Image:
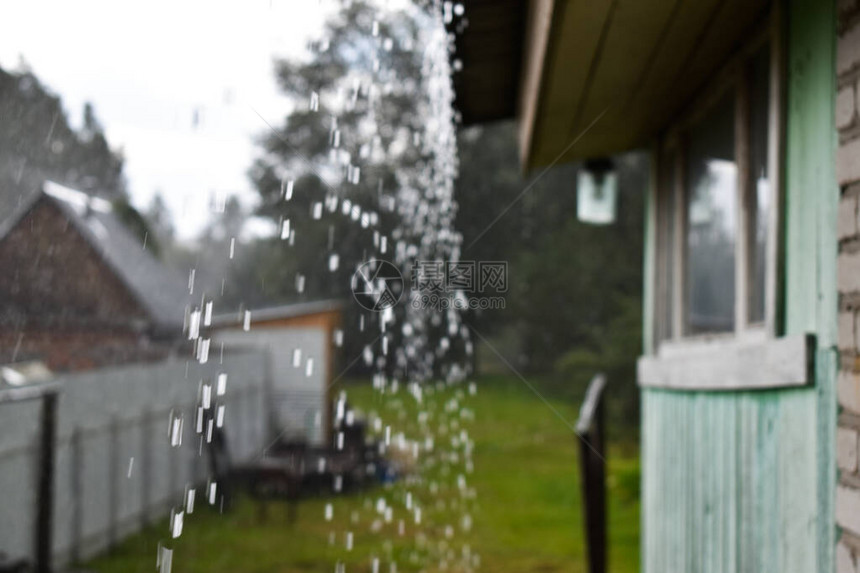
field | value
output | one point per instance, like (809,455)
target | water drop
(178,520)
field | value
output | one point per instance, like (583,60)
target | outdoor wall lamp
(597,192)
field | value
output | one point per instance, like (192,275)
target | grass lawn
(527,515)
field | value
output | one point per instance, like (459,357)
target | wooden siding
(744,481)
(632,64)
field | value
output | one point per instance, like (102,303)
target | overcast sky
(148,66)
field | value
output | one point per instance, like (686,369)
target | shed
(301,341)
(749,373)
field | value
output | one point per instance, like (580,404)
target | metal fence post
(113,480)
(45,503)
(145,466)
(77,494)
(589,429)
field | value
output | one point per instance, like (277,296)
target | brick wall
(848,282)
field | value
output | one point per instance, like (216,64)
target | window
(716,209)
(715,227)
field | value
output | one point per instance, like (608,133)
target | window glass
(711,187)
(760,186)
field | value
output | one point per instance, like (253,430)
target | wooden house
(77,289)
(749,373)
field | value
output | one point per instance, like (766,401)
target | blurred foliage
(574,297)
(37,142)
(378,138)
(137,223)
(574,302)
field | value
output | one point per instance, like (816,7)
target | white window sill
(750,363)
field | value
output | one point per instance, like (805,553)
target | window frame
(672,258)
(753,355)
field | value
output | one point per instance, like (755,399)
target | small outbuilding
(301,341)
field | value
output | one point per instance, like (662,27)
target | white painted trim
(730,364)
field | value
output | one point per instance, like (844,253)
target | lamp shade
(596,196)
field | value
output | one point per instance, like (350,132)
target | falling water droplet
(175,428)
(194,324)
(203,350)
(205,396)
(178,520)
(165,559)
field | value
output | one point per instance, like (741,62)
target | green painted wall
(744,481)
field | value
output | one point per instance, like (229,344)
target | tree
(574,304)
(37,143)
(352,149)
(160,219)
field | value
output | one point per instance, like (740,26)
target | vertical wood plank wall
(744,481)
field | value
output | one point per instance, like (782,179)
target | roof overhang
(279,313)
(490,49)
(600,77)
